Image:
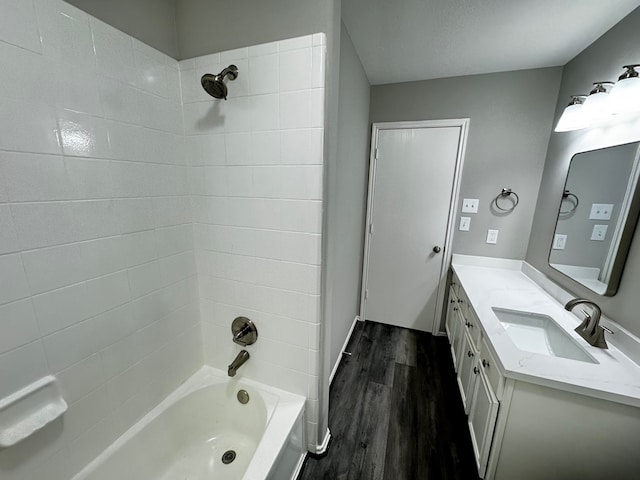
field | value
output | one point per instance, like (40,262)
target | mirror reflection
(597,217)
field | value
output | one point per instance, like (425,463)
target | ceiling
(405,40)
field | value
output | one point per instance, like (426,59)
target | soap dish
(28,410)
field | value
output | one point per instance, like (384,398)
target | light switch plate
(601,211)
(465,223)
(559,242)
(470,205)
(599,232)
(492,236)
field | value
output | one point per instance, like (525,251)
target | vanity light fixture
(572,118)
(625,95)
(596,107)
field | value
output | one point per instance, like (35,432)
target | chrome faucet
(590,328)
(240,359)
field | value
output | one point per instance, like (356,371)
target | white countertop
(615,377)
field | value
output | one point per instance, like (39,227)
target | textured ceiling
(405,40)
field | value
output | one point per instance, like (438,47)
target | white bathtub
(186,435)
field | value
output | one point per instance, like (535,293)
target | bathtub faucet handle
(244,331)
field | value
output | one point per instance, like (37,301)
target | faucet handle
(608,330)
(586,314)
(244,331)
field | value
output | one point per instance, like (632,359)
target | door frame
(463,124)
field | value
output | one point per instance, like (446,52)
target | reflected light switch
(465,223)
(599,232)
(601,211)
(559,242)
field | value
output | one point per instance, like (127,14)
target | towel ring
(506,192)
(566,194)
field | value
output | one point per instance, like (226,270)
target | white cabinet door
(466,377)
(458,335)
(451,322)
(482,418)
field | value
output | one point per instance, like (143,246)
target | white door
(411,188)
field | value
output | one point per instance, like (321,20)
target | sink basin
(537,333)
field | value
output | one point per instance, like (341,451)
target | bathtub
(186,436)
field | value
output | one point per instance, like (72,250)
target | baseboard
(299,466)
(344,347)
(322,449)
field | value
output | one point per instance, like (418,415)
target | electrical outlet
(465,223)
(601,211)
(559,242)
(470,205)
(599,232)
(492,236)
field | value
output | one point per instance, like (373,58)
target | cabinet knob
(469,354)
(452,301)
(455,309)
(436,249)
(475,370)
(485,364)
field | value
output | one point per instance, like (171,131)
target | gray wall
(150,21)
(510,116)
(205,26)
(350,193)
(600,61)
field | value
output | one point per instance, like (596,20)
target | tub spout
(242,357)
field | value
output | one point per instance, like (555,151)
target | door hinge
(376,153)
(366,294)
(370,228)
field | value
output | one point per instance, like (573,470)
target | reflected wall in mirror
(597,217)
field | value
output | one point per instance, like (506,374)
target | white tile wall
(98,281)
(256,183)
(103,193)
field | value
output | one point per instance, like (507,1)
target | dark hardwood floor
(395,412)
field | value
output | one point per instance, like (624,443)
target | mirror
(597,217)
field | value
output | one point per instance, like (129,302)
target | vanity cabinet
(477,381)
(527,427)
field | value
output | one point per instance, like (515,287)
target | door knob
(436,249)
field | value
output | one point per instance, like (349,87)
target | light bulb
(596,107)
(572,118)
(625,95)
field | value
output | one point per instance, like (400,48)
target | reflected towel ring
(566,194)
(506,193)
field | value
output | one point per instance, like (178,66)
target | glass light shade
(596,108)
(571,119)
(625,96)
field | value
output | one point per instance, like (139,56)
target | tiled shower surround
(106,180)
(256,180)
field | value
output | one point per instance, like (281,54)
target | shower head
(214,84)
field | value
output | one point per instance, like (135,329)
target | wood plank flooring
(395,411)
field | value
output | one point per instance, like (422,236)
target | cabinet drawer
(451,320)
(455,283)
(473,327)
(491,370)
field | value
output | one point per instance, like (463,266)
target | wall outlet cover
(559,242)
(470,205)
(599,232)
(601,211)
(465,223)
(492,236)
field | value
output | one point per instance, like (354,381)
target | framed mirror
(597,217)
